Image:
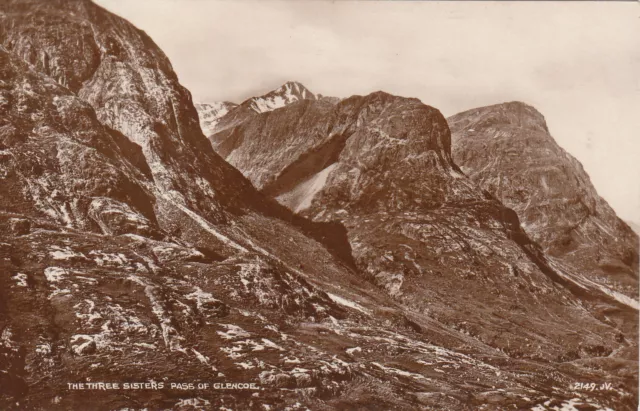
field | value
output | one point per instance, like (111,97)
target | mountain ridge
(381,165)
(210,113)
(182,271)
(288,93)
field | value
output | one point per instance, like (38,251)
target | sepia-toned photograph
(288,205)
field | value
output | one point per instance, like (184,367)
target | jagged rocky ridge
(133,253)
(419,227)
(288,93)
(523,166)
(234,114)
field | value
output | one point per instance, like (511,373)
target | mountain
(132,91)
(255,158)
(91,177)
(523,166)
(420,229)
(133,254)
(210,113)
(288,93)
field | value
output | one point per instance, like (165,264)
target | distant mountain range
(506,149)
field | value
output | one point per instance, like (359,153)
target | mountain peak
(294,86)
(288,93)
(515,113)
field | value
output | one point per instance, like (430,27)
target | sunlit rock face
(59,161)
(508,151)
(131,252)
(210,113)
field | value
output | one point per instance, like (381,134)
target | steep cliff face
(508,151)
(387,153)
(59,161)
(129,82)
(133,90)
(230,145)
(420,229)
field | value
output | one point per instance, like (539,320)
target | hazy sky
(577,62)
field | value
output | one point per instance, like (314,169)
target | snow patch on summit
(288,93)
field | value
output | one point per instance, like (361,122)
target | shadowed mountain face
(521,164)
(132,253)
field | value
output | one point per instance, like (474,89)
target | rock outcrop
(58,160)
(507,150)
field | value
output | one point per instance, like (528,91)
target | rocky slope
(134,93)
(83,308)
(280,129)
(59,161)
(523,166)
(420,229)
(132,253)
(210,113)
